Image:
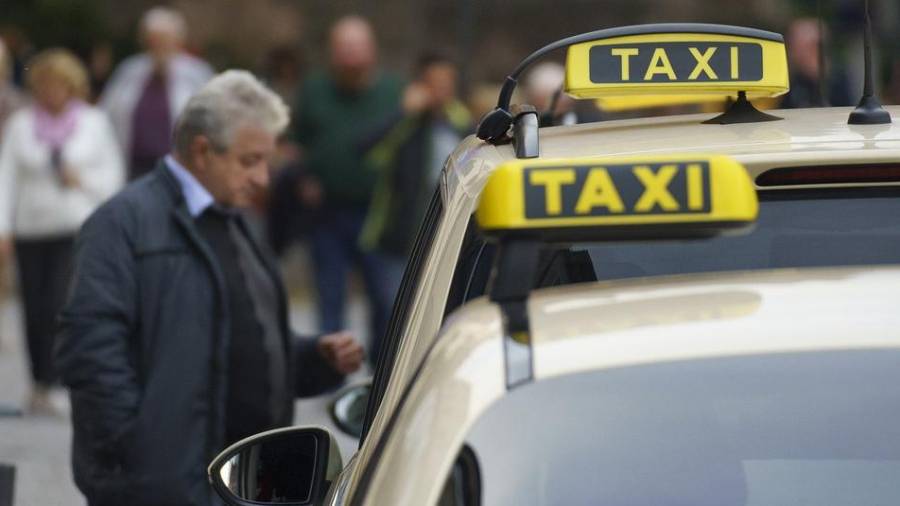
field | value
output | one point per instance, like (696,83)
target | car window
(801,428)
(402,303)
(795,228)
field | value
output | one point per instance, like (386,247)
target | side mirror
(291,466)
(349,408)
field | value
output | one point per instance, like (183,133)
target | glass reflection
(349,409)
(277,470)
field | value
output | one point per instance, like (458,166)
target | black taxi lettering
(676,62)
(640,189)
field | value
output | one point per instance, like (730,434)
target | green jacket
(330,123)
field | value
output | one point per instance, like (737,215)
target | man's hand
(310,192)
(70,178)
(416,98)
(341,351)
(6,249)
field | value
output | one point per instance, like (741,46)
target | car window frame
(402,305)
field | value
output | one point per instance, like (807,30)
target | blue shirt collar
(196,196)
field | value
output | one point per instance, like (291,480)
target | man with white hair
(175,340)
(148,90)
(543,90)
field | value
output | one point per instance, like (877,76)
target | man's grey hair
(229,101)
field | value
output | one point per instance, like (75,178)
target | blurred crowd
(352,177)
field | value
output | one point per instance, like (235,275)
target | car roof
(621,323)
(802,137)
(820,129)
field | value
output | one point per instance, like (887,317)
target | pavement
(39,447)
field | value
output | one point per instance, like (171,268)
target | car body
(430,368)
(445,424)
(614,327)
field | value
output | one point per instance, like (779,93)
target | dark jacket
(400,149)
(143,349)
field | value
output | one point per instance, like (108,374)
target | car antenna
(548,116)
(869,111)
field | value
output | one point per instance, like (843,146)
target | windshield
(808,428)
(795,228)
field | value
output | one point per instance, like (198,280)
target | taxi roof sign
(677,59)
(592,199)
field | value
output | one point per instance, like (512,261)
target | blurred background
(487,37)
(422,44)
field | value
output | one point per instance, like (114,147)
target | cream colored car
(637,353)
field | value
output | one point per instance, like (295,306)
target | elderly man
(148,90)
(175,340)
(337,109)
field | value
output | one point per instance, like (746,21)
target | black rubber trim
(391,342)
(366,478)
(468,462)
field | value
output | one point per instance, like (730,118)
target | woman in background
(58,161)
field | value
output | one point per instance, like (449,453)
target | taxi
(693,309)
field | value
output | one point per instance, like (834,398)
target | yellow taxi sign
(602,198)
(679,59)
(635,102)
(706,102)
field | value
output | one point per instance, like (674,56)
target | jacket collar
(196,197)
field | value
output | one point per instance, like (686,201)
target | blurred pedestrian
(283,71)
(892,90)
(543,88)
(175,339)
(20,50)
(409,150)
(286,217)
(336,109)
(58,162)
(10,97)
(100,67)
(147,90)
(803,41)
(10,101)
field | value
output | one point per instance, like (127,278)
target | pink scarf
(54,131)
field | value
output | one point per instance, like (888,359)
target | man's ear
(200,148)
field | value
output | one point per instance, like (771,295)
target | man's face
(161,45)
(803,47)
(440,79)
(353,54)
(237,175)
